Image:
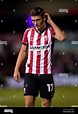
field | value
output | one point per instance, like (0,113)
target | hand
(16,76)
(48,18)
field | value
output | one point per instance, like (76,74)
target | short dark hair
(37,11)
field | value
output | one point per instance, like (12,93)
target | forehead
(35,17)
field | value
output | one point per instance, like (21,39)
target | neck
(41,28)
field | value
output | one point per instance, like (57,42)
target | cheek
(41,23)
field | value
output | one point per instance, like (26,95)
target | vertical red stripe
(32,37)
(46,53)
(51,58)
(25,38)
(45,62)
(31,62)
(38,55)
(31,52)
(38,62)
(39,39)
(52,47)
(52,31)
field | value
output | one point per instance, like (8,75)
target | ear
(45,17)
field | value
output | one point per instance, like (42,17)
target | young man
(37,47)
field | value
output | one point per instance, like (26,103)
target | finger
(46,14)
(16,79)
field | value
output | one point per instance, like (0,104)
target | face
(38,21)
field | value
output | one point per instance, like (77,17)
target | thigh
(30,85)
(46,86)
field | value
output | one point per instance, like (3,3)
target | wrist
(16,69)
(50,21)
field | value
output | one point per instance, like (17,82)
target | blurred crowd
(10,44)
(66,63)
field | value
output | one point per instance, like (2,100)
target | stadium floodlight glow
(29,21)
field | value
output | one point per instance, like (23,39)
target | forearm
(59,33)
(20,59)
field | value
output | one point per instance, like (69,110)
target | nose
(35,23)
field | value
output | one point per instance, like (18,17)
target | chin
(39,28)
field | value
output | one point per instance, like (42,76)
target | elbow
(62,38)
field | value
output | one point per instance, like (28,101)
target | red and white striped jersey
(40,47)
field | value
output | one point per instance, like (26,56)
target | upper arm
(24,48)
(58,34)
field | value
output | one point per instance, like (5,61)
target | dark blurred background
(14,21)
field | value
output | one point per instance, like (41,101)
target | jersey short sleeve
(25,37)
(52,31)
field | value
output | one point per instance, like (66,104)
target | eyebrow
(36,19)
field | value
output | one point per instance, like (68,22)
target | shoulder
(29,29)
(51,30)
(49,27)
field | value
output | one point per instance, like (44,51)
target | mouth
(38,27)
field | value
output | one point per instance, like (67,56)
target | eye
(33,20)
(38,20)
